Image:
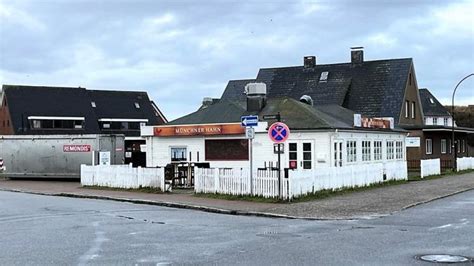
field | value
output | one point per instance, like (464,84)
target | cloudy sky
(182,51)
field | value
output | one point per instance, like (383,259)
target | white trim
(55,118)
(449,129)
(122,120)
(134,138)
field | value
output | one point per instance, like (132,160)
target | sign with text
(199,130)
(373,122)
(104,158)
(249,121)
(412,142)
(77,148)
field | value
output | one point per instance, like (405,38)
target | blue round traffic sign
(278,132)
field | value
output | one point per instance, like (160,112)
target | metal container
(56,156)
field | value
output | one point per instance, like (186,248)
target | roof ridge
(341,64)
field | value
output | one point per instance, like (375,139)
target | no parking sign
(278,132)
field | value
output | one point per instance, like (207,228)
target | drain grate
(444,258)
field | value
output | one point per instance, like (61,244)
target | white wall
(440,121)
(159,148)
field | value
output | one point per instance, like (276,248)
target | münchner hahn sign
(199,130)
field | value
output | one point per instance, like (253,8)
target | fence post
(216,180)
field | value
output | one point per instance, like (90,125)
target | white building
(320,136)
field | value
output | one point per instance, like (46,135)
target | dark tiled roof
(372,88)
(24,101)
(121,104)
(296,114)
(434,108)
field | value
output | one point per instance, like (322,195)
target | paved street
(367,203)
(44,230)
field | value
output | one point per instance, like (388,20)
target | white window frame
(413,110)
(377,150)
(446,121)
(398,150)
(351,151)
(179,147)
(407,107)
(435,121)
(390,150)
(429,146)
(443,146)
(366,150)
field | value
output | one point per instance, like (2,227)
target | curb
(436,198)
(223,211)
(167,204)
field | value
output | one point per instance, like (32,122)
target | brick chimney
(357,55)
(309,61)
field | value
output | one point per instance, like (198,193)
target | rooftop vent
(306,99)
(256,89)
(309,61)
(256,96)
(206,101)
(324,76)
(357,55)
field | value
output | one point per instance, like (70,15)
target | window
(443,146)
(458,145)
(429,146)
(293,154)
(410,79)
(446,121)
(435,121)
(450,147)
(366,150)
(178,154)
(56,124)
(399,150)
(227,149)
(413,110)
(93,104)
(351,150)
(324,76)
(407,103)
(377,150)
(390,150)
(463,146)
(106,125)
(307,158)
(137,105)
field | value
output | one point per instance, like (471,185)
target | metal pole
(453,143)
(280,187)
(251,167)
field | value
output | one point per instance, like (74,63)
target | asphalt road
(43,230)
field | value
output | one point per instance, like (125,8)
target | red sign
(293,165)
(278,132)
(375,122)
(199,130)
(77,148)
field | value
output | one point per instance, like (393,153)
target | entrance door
(338,153)
(301,154)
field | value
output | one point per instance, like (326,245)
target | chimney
(207,101)
(357,55)
(256,96)
(309,61)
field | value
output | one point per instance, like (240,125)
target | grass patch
(308,197)
(237,197)
(140,189)
(445,174)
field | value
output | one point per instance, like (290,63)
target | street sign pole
(280,187)
(251,166)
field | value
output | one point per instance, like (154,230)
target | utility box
(56,156)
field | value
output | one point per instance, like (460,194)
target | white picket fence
(237,181)
(122,176)
(303,182)
(465,163)
(430,167)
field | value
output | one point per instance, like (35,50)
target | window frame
(444,146)
(351,151)
(366,151)
(430,146)
(413,113)
(390,150)
(378,150)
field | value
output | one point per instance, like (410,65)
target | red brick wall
(6,127)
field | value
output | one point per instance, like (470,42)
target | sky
(182,51)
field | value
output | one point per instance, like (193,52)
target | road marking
(94,250)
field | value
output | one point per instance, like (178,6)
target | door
(338,153)
(301,154)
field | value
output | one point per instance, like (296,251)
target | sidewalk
(364,204)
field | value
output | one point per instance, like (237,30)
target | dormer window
(137,105)
(324,76)
(93,104)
